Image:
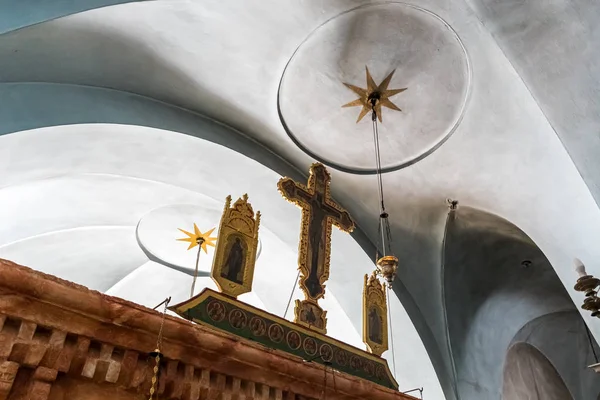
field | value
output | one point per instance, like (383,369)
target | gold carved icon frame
(375,323)
(237,246)
(308,313)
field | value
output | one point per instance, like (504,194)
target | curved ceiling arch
(31,105)
(563,339)
(550,44)
(55,159)
(488,263)
(99,266)
(50,105)
(529,374)
(21,14)
(504,157)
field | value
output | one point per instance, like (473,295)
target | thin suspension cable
(388,233)
(384,231)
(391,328)
(378,160)
(378,242)
(291,295)
(384,214)
(200,241)
(379,175)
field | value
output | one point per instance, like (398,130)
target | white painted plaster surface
(224,60)
(86,179)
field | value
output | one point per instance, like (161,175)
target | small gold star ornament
(199,238)
(374,96)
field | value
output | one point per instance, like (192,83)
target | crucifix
(319,213)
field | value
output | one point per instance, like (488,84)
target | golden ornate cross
(319,213)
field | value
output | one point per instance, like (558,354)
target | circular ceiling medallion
(157,234)
(429,60)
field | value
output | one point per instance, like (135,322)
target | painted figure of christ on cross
(319,212)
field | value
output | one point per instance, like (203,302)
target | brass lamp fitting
(387,266)
(588,284)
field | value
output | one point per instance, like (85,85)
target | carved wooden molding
(51,328)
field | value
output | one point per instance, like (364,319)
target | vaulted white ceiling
(524,146)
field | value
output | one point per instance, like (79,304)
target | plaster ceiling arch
(16,72)
(428,58)
(96,256)
(102,52)
(552,46)
(529,374)
(563,339)
(482,275)
(31,105)
(78,104)
(504,157)
(17,15)
(107,195)
(184,171)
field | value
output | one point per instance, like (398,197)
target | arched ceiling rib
(489,295)
(95,256)
(88,175)
(529,374)
(563,339)
(20,14)
(553,47)
(224,60)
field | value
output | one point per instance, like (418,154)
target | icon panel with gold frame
(375,324)
(237,245)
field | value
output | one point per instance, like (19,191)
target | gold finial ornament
(235,254)
(374,96)
(319,214)
(387,266)
(375,323)
(198,238)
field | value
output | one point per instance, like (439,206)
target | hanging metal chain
(155,375)
(157,352)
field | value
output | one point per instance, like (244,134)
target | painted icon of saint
(233,269)
(375,326)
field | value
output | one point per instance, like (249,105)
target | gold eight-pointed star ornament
(374,96)
(199,238)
